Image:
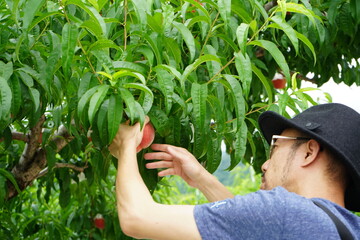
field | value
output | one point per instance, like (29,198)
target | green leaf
(333,10)
(134,67)
(189,69)
(199,6)
(213,155)
(299,8)
(355,10)
(173,49)
(84,84)
(93,27)
(225,11)
(289,31)
(306,41)
(241,12)
(282,6)
(69,38)
(96,100)
(237,95)
(47,74)
(261,9)
(84,100)
(243,66)
(50,157)
(170,69)
(35,96)
(166,84)
(240,145)
(31,8)
(102,121)
(11,178)
(140,8)
(16,92)
(26,79)
(3,191)
(146,100)
(293,81)
(123,73)
(199,93)
(264,81)
(104,59)
(115,113)
(160,120)
(41,18)
(213,67)
(94,16)
(139,86)
(218,113)
(228,41)
(188,38)
(131,105)
(104,43)
(275,52)
(5,97)
(242,36)
(6,70)
(149,55)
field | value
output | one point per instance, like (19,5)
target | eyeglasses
(276,137)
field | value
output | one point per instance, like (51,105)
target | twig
(62,165)
(125,21)
(209,33)
(18,136)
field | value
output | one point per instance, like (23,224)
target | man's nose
(265,165)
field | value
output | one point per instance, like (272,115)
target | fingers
(161,147)
(167,172)
(160,164)
(158,156)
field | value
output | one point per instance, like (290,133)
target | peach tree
(72,70)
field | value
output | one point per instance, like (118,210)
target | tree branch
(270,5)
(33,159)
(62,165)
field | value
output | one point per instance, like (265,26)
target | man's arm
(139,215)
(179,161)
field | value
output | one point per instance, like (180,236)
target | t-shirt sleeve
(258,215)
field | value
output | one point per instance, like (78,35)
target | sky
(340,93)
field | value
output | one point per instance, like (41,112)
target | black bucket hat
(336,127)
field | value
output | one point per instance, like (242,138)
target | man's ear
(313,149)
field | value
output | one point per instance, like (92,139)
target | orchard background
(71,71)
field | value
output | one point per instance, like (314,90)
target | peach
(148,137)
(99,221)
(279,83)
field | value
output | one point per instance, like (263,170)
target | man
(315,157)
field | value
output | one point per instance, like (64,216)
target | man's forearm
(133,198)
(213,189)
(140,216)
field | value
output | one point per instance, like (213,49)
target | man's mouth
(262,186)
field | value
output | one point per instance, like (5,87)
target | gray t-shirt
(274,214)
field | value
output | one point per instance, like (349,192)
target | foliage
(72,70)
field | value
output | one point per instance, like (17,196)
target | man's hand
(177,161)
(127,136)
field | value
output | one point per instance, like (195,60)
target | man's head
(297,161)
(331,131)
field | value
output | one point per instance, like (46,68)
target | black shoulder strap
(341,228)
